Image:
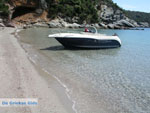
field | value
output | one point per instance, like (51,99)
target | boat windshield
(90,30)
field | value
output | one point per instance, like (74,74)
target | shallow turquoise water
(98,81)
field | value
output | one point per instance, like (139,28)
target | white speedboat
(87,40)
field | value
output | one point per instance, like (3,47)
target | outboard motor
(115,34)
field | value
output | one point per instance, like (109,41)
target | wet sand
(20,79)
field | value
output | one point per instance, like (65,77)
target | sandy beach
(20,79)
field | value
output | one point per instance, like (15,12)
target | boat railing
(115,34)
(94,29)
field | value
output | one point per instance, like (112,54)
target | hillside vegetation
(110,3)
(82,10)
(3,8)
(86,10)
(138,16)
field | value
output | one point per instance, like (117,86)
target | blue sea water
(98,81)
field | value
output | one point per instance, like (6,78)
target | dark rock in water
(121,24)
(1,20)
(27,26)
(144,24)
(103,25)
(124,23)
(111,26)
(41,25)
(9,24)
(97,25)
(2,25)
(118,27)
(55,23)
(136,29)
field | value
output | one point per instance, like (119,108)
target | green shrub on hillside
(84,9)
(110,3)
(138,16)
(3,8)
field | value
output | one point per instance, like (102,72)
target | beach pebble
(2,25)
(10,24)
(1,20)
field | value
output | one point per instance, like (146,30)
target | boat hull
(88,43)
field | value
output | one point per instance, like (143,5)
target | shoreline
(25,76)
(59,87)
(84,76)
(76,26)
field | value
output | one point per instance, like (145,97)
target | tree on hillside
(4,8)
(84,9)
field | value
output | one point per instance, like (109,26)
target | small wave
(61,83)
(66,90)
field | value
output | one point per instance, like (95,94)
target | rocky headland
(29,13)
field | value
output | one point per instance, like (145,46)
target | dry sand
(20,79)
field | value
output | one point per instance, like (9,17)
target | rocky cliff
(35,12)
(114,18)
